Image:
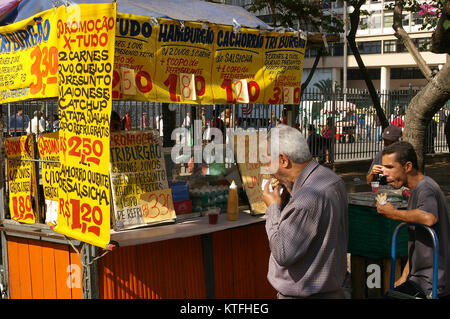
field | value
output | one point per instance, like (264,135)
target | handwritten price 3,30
(48,59)
(160,206)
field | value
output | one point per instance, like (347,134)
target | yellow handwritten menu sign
(21,178)
(283,66)
(29,59)
(86,56)
(237,56)
(134,58)
(249,166)
(157,207)
(137,167)
(49,150)
(183,50)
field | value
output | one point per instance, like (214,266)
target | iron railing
(356,132)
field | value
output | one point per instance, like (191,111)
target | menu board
(21,178)
(137,167)
(49,147)
(248,160)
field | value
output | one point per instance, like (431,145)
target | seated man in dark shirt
(426,206)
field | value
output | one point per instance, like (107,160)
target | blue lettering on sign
(132,28)
(25,39)
(173,33)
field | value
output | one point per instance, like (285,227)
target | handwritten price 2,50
(86,149)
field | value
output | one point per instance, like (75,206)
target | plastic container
(233,203)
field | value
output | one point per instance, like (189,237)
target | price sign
(183,64)
(128,86)
(88,150)
(187,86)
(44,67)
(50,145)
(283,62)
(21,178)
(241,90)
(84,202)
(82,216)
(142,80)
(157,206)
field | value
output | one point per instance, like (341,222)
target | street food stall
(370,236)
(93,213)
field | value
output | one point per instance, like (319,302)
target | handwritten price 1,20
(86,149)
(48,59)
(22,208)
(84,217)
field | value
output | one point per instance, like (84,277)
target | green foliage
(315,14)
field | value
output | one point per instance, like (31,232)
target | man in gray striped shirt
(307,232)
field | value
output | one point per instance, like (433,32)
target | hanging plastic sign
(187,86)
(49,151)
(21,178)
(84,116)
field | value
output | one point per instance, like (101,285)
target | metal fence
(355,131)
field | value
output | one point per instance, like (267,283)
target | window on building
(416,19)
(406,73)
(405,20)
(389,46)
(375,21)
(363,23)
(267,18)
(400,47)
(338,49)
(355,74)
(388,21)
(369,47)
(423,44)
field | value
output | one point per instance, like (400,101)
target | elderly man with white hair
(307,225)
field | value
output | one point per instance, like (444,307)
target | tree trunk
(402,35)
(354,22)
(447,131)
(422,108)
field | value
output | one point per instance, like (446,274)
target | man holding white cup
(390,135)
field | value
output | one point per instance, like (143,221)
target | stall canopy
(184,10)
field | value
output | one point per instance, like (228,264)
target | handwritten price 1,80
(84,148)
(48,58)
(22,208)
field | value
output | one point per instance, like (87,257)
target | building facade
(390,65)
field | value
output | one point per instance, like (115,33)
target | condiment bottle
(232,203)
